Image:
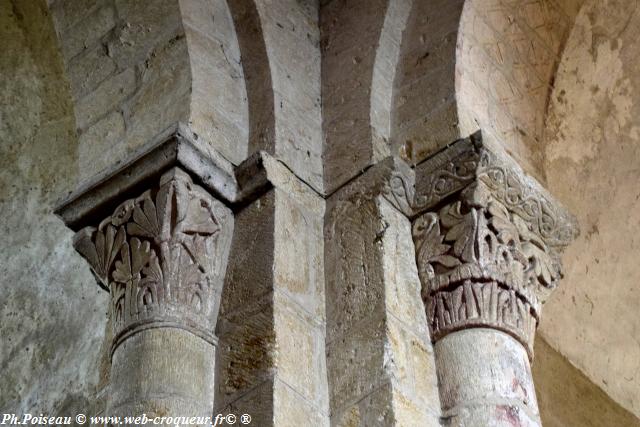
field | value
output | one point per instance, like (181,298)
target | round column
(488,255)
(485,380)
(162,256)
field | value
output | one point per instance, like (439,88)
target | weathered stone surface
(299,274)
(109,95)
(219,111)
(353,276)
(85,33)
(356,364)
(162,95)
(88,70)
(52,319)
(424,113)
(142,28)
(377,332)
(162,372)
(567,397)
(300,352)
(485,379)
(490,256)
(162,256)
(98,143)
(591,163)
(291,34)
(272,329)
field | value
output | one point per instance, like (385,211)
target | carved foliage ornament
(482,267)
(162,257)
(490,256)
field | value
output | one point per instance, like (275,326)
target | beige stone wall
(52,315)
(568,398)
(592,157)
(137,68)
(329,88)
(507,58)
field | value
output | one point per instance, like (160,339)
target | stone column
(158,243)
(488,242)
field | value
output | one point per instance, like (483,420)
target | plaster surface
(592,163)
(52,315)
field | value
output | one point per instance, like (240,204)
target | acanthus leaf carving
(488,246)
(161,256)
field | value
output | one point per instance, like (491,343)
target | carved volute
(488,247)
(162,257)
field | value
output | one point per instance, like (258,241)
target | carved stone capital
(488,247)
(162,257)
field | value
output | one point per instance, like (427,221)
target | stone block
(212,18)
(356,364)
(299,141)
(68,12)
(105,98)
(219,109)
(163,94)
(300,354)
(409,102)
(291,410)
(353,269)
(411,366)
(423,136)
(252,246)
(347,23)
(374,410)
(213,126)
(87,32)
(98,145)
(218,75)
(88,70)
(401,283)
(247,349)
(143,26)
(408,414)
(299,260)
(258,403)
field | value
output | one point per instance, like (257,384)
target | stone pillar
(158,243)
(488,242)
(380,360)
(271,359)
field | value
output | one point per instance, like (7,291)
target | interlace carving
(162,258)
(490,255)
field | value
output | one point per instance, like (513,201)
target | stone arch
(383,92)
(360,49)
(136,69)
(255,64)
(291,40)
(591,152)
(424,114)
(506,61)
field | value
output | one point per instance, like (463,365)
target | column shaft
(485,380)
(162,256)
(488,254)
(162,372)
